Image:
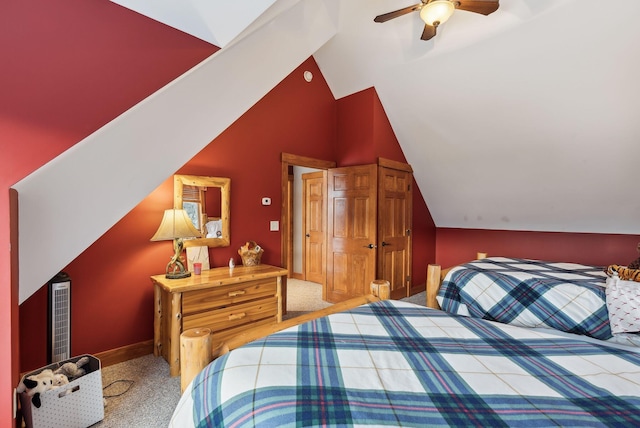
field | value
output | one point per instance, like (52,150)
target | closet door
(314,216)
(394,227)
(351,232)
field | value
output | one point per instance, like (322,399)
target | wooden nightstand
(227,301)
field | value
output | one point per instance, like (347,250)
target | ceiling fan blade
(387,16)
(478,6)
(428,32)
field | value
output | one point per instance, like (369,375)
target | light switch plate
(274,225)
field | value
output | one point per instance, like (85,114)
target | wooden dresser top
(217,277)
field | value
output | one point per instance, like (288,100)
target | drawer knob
(237,293)
(237,316)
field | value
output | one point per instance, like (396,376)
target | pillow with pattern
(623,303)
(636,263)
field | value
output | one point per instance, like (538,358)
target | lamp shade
(175,224)
(437,12)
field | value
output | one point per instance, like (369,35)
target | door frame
(288,160)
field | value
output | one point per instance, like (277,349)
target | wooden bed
(196,349)
(372,361)
(564,296)
(435,276)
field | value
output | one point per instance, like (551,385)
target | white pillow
(623,303)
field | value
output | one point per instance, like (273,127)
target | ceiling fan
(436,12)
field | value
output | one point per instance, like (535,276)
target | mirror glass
(206,201)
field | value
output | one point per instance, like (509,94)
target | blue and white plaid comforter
(393,363)
(529,293)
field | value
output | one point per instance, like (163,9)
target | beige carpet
(139,393)
(303,297)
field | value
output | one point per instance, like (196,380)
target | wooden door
(351,232)
(394,228)
(314,214)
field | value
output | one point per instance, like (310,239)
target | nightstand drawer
(237,315)
(211,298)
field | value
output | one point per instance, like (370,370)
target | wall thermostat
(266,201)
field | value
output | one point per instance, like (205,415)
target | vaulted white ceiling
(522,120)
(525,119)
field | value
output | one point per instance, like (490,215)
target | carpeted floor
(141,392)
(143,395)
(303,297)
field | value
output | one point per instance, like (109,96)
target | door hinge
(408,231)
(408,279)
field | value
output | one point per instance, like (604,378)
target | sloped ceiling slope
(217,22)
(520,120)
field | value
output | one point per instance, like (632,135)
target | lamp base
(178,275)
(175,267)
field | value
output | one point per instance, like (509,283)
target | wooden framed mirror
(206,200)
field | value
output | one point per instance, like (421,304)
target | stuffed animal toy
(35,385)
(623,273)
(73,370)
(631,272)
(59,380)
(636,263)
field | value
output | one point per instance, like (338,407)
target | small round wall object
(308,76)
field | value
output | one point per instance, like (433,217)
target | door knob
(384,244)
(370,246)
(307,235)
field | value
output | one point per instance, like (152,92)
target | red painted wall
(356,130)
(423,240)
(456,246)
(68,67)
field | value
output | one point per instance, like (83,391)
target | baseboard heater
(59,320)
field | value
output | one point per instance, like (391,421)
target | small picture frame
(198,255)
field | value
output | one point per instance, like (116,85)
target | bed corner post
(381,289)
(195,354)
(433,285)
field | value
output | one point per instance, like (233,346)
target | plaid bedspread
(393,363)
(530,293)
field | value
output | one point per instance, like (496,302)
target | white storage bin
(77,404)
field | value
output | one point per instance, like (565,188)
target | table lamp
(176,225)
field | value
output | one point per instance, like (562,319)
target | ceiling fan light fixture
(437,12)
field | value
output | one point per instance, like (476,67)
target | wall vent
(59,338)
